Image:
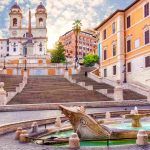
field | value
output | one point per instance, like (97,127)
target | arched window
(41,22)
(14,22)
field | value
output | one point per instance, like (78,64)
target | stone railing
(82,84)
(139,88)
(36,65)
(5,97)
(99,79)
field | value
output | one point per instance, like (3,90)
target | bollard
(74,141)
(34,127)
(142,138)
(18,132)
(23,136)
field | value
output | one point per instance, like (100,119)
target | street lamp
(25,63)
(124,71)
(25,67)
(66,64)
(4,63)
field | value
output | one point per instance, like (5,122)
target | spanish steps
(127,94)
(54,89)
(57,89)
(10,82)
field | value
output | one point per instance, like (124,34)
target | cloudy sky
(62,13)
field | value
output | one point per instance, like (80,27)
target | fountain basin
(84,143)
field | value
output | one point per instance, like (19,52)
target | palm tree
(77,29)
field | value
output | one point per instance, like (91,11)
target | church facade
(25,41)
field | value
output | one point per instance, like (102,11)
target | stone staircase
(10,82)
(10,85)
(104,88)
(55,89)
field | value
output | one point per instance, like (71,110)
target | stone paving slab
(13,117)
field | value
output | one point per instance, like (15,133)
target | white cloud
(62,13)
(3,4)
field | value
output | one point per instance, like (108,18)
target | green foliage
(77,26)
(58,54)
(90,60)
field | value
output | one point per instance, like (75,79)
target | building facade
(17,44)
(124,44)
(86,43)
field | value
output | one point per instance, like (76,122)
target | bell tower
(15,17)
(41,16)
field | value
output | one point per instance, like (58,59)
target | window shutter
(146,10)
(147,61)
(129,67)
(128,45)
(128,22)
(147,37)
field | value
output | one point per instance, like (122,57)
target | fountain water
(135,116)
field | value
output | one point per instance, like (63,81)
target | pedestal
(66,74)
(74,141)
(118,92)
(4,71)
(142,138)
(34,127)
(3,94)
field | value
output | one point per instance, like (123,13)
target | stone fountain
(136,117)
(88,128)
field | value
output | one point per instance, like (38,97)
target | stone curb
(54,106)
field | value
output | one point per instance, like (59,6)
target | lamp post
(4,63)
(25,62)
(66,64)
(124,71)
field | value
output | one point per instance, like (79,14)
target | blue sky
(62,13)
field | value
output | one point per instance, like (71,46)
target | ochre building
(124,44)
(86,43)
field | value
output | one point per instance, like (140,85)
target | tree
(77,29)
(58,54)
(90,60)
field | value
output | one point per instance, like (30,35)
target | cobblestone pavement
(11,117)
(7,142)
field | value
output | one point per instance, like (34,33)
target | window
(14,22)
(114,70)
(128,45)
(41,22)
(14,49)
(147,61)
(105,72)
(113,27)
(137,43)
(129,67)
(128,21)
(147,37)
(104,34)
(146,10)
(114,49)
(105,54)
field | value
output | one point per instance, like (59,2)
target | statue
(84,125)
